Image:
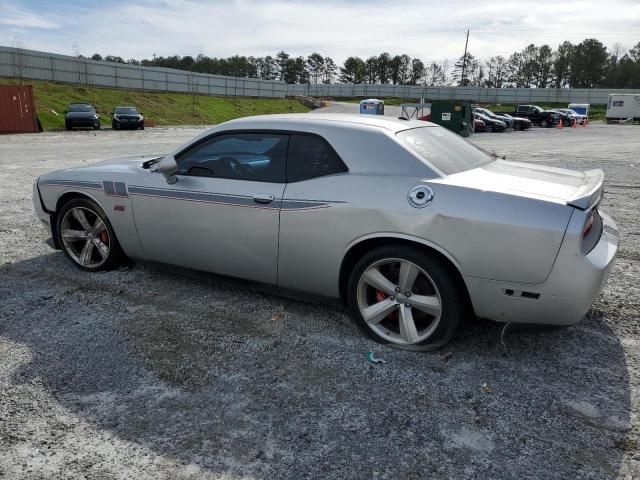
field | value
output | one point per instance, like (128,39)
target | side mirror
(167,167)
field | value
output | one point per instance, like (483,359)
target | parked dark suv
(81,115)
(127,117)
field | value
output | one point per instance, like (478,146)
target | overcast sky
(429,29)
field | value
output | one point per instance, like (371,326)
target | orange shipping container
(17,109)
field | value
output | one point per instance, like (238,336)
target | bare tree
(193,90)
(75,50)
(18,59)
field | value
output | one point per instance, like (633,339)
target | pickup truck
(537,115)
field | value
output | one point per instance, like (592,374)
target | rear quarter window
(444,150)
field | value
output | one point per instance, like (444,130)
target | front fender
(116,205)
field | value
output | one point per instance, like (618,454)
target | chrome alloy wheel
(399,301)
(85,237)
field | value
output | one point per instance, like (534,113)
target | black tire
(489,128)
(453,296)
(114,126)
(96,127)
(67,126)
(544,123)
(115,256)
(142,127)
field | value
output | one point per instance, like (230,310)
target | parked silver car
(410,225)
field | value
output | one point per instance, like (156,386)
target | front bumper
(82,122)
(41,213)
(122,124)
(565,296)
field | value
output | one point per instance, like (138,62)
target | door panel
(210,224)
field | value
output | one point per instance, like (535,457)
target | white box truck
(623,107)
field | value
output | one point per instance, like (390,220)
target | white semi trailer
(623,107)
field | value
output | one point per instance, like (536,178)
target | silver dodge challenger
(409,225)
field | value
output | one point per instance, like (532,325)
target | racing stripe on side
(227,199)
(115,189)
(72,183)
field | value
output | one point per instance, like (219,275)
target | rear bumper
(564,298)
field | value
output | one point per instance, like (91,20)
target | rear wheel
(489,128)
(86,236)
(544,124)
(405,298)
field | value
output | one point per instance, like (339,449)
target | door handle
(263,198)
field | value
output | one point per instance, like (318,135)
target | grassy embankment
(164,108)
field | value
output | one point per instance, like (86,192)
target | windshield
(80,108)
(126,111)
(445,150)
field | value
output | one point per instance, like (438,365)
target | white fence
(32,65)
(473,94)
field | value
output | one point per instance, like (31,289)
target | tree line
(588,64)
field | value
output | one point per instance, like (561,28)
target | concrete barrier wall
(33,65)
(474,94)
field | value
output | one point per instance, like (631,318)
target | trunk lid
(579,189)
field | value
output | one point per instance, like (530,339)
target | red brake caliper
(104,237)
(380,296)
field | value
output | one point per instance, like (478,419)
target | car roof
(319,119)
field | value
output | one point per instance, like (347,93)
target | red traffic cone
(560,125)
(574,123)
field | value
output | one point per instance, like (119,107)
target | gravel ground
(140,373)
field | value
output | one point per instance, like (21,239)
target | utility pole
(464,59)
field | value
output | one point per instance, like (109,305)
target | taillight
(589,224)
(592,231)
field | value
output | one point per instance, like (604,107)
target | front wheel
(86,236)
(406,298)
(544,124)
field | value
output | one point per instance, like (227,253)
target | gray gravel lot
(140,373)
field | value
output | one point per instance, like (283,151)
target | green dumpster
(456,116)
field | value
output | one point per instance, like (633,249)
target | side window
(311,156)
(258,157)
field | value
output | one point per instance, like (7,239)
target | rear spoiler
(589,194)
